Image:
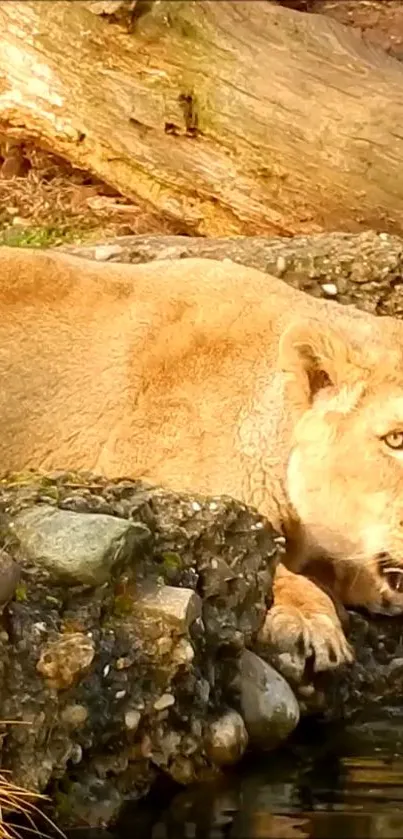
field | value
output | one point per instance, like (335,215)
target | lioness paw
(296,639)
(302,630)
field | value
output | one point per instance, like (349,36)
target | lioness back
(136,370)
(165,370)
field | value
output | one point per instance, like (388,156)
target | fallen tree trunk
(364,269)
(232,118)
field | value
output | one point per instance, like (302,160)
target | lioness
(216,378)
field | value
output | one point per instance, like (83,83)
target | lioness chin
(216,378)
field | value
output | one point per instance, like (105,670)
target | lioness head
(345,470)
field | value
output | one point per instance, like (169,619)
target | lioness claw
(302,630)
(297,638)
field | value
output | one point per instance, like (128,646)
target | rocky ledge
(127,612)
(129,616)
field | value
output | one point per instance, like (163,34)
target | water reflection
(345,783)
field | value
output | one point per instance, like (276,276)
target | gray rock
(95,801)
(132,719)
(104,252)
(358,268)
(268,705)
(77,547)
(64,660)
(164,701)
(227,739)
(178,607)
(74,715)
(10,573)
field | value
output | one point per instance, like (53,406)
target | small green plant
(20,593)
(171,561)
(123,605)
(35,237)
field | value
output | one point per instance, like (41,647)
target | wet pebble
(227,739)
(268,705)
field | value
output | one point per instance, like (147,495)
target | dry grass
(55,203)
(19,802)
(15,799)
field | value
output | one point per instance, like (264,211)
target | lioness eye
(394,579)
(394,440)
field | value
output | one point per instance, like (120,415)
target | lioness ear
(315,352)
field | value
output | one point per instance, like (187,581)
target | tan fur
(214,377)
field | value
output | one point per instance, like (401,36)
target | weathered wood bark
(365,269)
(230,117)
(380,21)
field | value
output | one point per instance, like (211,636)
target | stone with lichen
(125,626)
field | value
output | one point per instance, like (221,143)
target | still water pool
(328,783)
